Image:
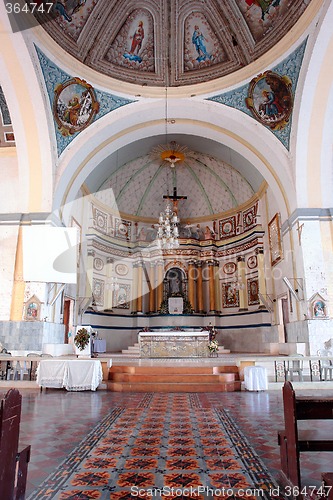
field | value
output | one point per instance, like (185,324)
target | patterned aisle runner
(168,447)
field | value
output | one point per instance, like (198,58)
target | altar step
(173,379)
(132,350)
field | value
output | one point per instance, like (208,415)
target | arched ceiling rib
(210,183)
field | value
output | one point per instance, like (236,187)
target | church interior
(166,184)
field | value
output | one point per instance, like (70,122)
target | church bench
(13,463)
(293,441)
(327,478)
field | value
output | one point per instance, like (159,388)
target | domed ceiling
(211,185)
(169,42)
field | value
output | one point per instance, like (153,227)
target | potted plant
(81,339)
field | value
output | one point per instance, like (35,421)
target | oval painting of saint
(74,106)
(270,99)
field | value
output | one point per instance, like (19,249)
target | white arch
(313,159)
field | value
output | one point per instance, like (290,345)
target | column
(211,286)
(139,287)
(89,272)
(108,289)
(17,301)
(191,283)
(159,291)
(217,287)
(152,287)
(134,304)
(261,275)
(242,281)
(199,288)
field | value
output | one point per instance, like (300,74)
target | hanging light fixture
(167,232)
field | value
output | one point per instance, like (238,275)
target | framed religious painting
(253,291)
(275,242)
(270,99)
(121,296)
(74,106)
(230,295)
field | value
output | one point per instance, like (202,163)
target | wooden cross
(175,199)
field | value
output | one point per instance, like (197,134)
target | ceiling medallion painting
(74,106)
(169,42)
(270,99)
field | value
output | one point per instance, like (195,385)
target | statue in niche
(319,309)
(175,282)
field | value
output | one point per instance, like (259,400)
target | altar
(174,344)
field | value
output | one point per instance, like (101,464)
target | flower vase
(85,353)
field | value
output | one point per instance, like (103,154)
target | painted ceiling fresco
(169,42)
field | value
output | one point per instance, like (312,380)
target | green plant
(81,339)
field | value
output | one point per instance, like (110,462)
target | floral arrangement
(213,346)
(81,339)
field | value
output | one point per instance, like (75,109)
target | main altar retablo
(174,344)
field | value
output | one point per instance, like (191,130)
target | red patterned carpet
(168,446)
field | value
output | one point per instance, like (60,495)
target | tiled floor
(55,421)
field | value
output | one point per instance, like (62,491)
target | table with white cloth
(99,345)
(71,374)
(255,378)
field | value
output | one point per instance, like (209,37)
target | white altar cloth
(255,378)
(73,375)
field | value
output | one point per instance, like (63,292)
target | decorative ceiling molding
(170,42)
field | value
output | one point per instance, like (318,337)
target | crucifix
(299,230)
(175,199)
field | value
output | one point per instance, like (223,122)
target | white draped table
(255,378)
(71,374)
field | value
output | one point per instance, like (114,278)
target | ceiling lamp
(167,232)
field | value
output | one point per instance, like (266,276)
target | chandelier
(167,232)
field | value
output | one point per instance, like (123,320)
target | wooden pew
(293,441)
(327,479)
(13,463)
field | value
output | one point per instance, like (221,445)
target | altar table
(255,378)
(73,374)
(174,344)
